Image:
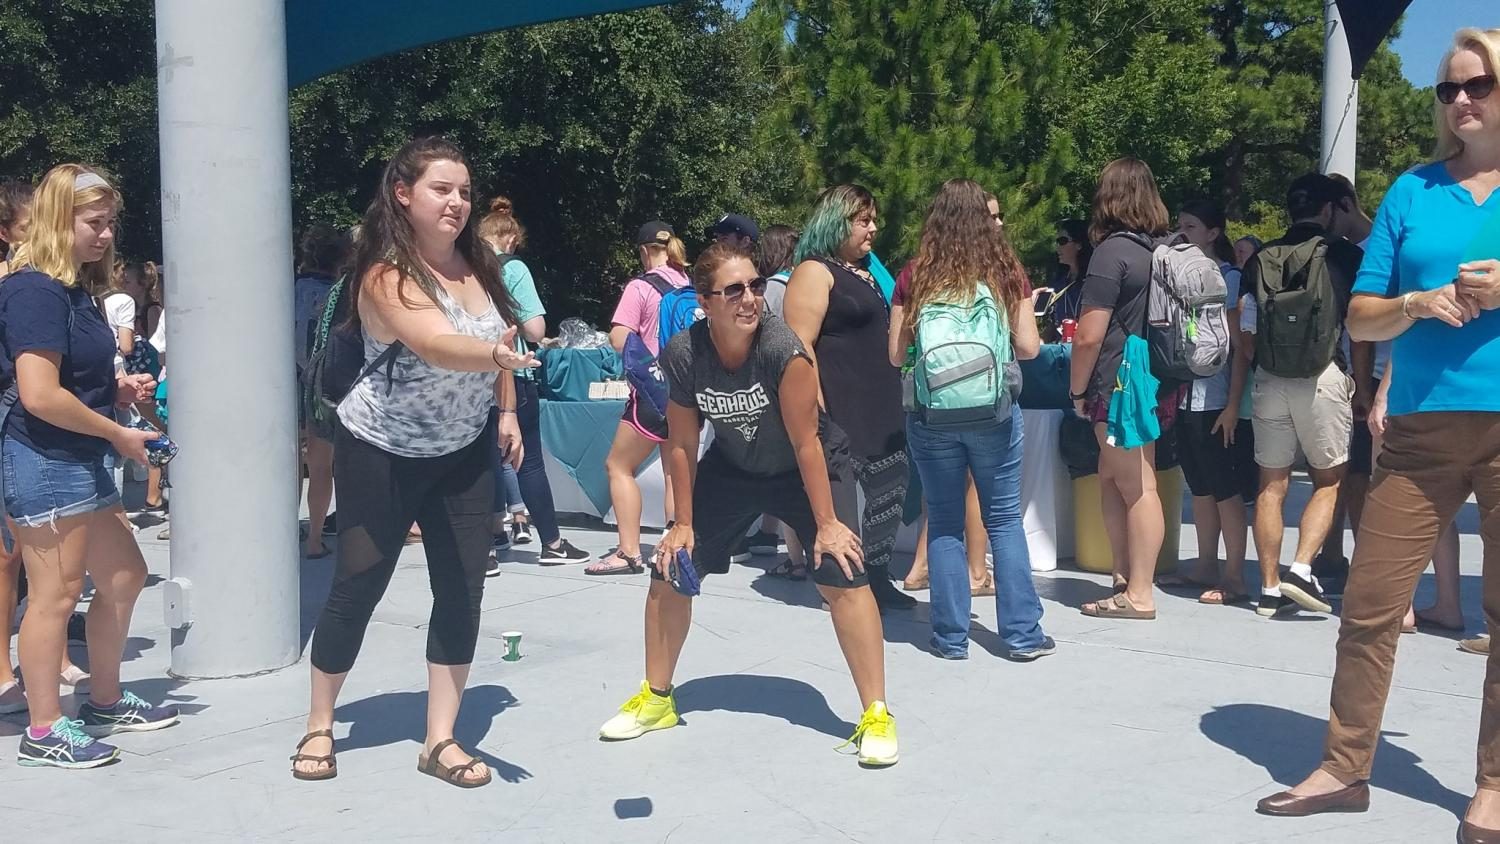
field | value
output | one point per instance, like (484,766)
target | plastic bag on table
(574,333)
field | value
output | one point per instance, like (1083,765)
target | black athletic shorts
(1361,449)
(642,416)
(727,501)
(1209,467)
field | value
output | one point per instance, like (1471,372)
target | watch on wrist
(1077,396)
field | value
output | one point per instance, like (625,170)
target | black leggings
(535,490)
(380,494)
(883,480)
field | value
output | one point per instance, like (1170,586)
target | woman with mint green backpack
(968,314)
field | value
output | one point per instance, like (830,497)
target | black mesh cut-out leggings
(380,495)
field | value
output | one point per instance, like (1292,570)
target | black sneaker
(1046,648)
(520,533)
(563,554)
(331,525)
(742,552)
(1305,592)
(1270,605)
(887,596)
(77,628)
(765,544)
(1331,575)
(492,568)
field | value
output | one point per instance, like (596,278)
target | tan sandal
(916,584)
(1117,606)
(984,589)
(327,773)
(456,775)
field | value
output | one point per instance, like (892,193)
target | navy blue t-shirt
(35,316)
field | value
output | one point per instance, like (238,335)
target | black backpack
(337,363)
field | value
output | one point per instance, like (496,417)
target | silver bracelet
(1406,306)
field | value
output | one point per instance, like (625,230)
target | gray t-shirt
(744,406)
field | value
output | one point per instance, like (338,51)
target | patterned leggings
(884,481)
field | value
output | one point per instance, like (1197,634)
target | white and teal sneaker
(130,714)
(64,746)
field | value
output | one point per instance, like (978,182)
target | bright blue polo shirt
(1427,225)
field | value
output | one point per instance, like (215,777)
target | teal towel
(1132,406)
(883,278)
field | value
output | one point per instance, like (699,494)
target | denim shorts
(40,490)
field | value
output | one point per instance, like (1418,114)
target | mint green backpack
(959,373)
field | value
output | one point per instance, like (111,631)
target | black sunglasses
(734,292)
(1477,88)
(1064,241)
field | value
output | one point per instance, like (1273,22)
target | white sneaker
(12,699)
(77,678)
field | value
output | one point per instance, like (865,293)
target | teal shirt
(522,288)
(1427,225)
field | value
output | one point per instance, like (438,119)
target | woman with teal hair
(835,305)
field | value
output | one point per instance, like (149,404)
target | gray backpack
(1187,327)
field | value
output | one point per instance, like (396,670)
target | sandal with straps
(615,563)
(327,773)
(456,775)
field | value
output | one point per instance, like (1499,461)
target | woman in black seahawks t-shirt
(744,370)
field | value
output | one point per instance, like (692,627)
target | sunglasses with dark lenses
(735,292)
(1477,88)
(1064,241)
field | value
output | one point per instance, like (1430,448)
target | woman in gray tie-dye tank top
(416,439)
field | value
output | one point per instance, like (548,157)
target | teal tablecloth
(567,373)
(578,435)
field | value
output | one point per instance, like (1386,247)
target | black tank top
(861,388)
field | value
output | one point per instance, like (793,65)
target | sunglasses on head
(1477,88)
(734,292)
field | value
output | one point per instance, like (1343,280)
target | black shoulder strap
(658,281)
(386,359)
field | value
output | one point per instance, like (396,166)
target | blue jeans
(507,487)
(993,456)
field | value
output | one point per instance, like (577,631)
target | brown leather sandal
(327,773)
(456,775)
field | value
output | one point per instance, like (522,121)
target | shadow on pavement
(402,717)
(779,697)
(1289,745)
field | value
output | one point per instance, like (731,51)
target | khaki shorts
(1310,414)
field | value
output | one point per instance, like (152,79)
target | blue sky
(1427,31)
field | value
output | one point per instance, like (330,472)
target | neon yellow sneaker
(876,737)
(641,714)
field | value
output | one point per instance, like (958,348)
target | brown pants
(1430,464)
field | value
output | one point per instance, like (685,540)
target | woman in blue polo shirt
(1431,281)
(59,353)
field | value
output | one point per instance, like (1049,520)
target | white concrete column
(226,226)
(1340,97)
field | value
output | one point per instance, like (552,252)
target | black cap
(654,232)
(735,224)
(1309,193)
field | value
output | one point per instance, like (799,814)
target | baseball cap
(654,232)
(735,224)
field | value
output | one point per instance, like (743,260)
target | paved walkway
(1133,732)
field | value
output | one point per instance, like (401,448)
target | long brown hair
(386,236)
(1127,201)
(960,247)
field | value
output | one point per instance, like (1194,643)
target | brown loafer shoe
(1355,798)
(1471,834)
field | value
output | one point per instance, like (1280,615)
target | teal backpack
(959,369)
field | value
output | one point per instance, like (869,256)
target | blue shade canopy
(327,35)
